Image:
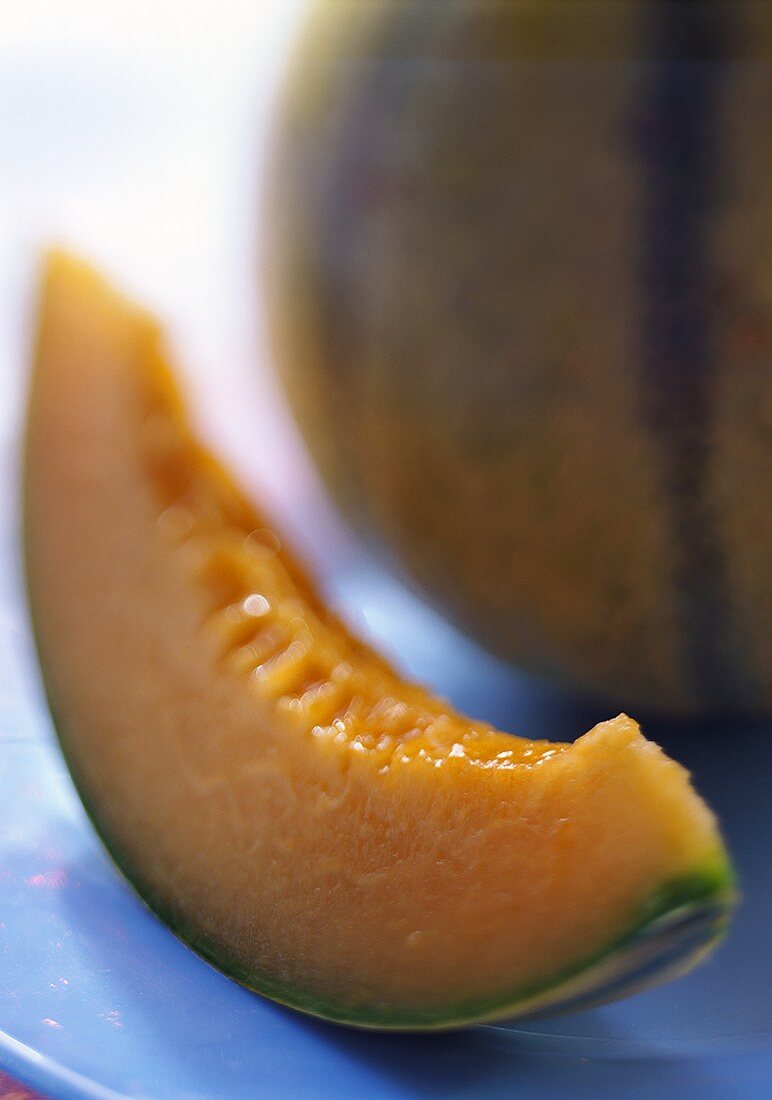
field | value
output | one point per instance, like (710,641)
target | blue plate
(99,999)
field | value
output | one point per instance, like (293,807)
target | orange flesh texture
(272,781)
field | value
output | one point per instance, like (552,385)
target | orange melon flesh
(324,831)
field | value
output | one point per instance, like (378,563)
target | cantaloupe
(519,261)
(324,831)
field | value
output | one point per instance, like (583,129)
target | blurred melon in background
(519,270)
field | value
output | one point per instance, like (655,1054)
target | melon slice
(323,831)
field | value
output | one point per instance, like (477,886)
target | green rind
(607,974)
(628,964)
(680,921)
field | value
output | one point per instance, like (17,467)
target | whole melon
(519,275)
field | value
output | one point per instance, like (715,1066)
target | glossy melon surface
(325,832)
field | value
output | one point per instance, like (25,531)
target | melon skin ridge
(678,922)
(537,303)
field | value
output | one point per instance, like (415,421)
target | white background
(135,132)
